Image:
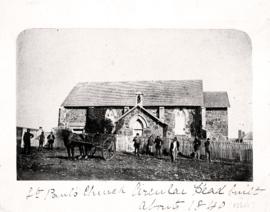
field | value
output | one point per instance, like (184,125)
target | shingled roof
(155,93)
(216,99)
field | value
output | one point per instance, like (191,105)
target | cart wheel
(109,149)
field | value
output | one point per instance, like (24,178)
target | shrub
(94,125)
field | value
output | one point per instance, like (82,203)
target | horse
(72,140)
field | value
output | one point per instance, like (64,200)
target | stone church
(164,108)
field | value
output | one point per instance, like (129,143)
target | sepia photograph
(134,105)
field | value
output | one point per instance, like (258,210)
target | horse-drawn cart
(104,143)
(89,144)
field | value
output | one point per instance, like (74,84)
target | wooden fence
(223,150)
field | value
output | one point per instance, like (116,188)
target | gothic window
(180,122)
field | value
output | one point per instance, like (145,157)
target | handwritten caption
(193,198)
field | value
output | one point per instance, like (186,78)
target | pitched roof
(144,110)
(155,93)
(216,99)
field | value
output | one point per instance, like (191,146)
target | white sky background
(51,61)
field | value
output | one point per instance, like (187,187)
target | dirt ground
(54,165)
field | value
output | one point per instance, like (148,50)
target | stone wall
(71,116)
(68,116)
(216,122)
(193,120)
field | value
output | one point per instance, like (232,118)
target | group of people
(28,136)
(197,148)
(174,146)
(157,142)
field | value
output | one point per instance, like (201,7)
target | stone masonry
(216,122)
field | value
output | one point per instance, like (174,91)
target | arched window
(180,122)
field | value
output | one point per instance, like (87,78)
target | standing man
(137,144)
(27,141)
(207,149)
(158,143)
(150,144)
(174,148)
(50,139)
(41,141)
(197,146)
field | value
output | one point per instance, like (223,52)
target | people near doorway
(158,143)
(150,144)
(137,143)
(27,141)
(207,149)
(50,139)
(197,147)
(174,148)
(41,141)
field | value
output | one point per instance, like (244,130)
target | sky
(51,61)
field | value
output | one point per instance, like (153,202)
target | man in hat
(50,139)
(137,144)
(158,143)
(197,147)
(27,141)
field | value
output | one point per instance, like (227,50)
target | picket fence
(220,150)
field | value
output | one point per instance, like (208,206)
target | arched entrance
(137,127)
(137,124)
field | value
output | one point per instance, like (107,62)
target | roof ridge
(157,92)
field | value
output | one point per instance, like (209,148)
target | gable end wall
(217,122)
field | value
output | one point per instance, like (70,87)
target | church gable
(139,120)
